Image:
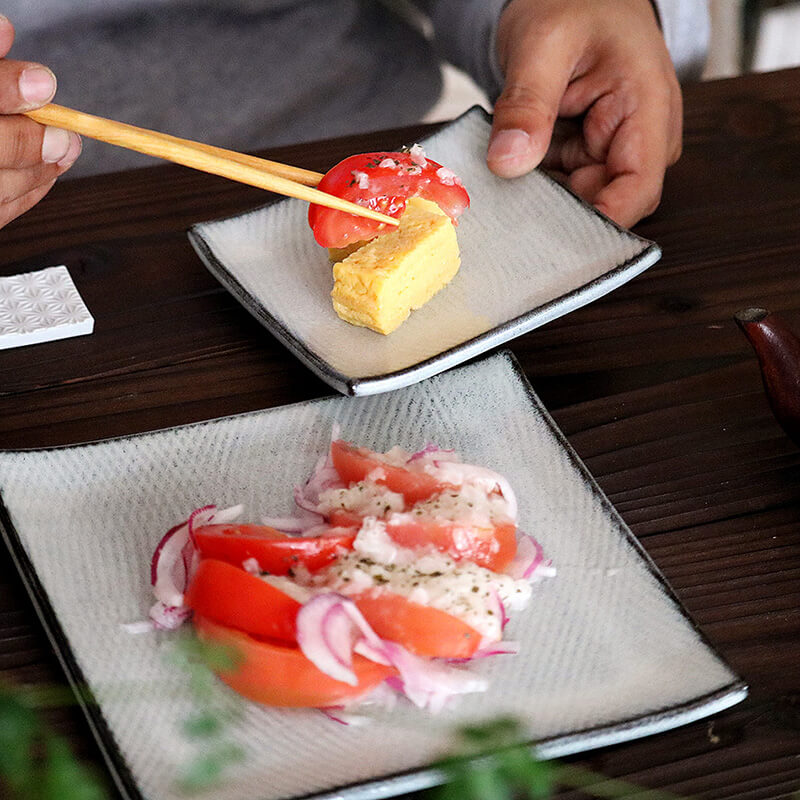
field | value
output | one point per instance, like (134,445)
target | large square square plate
(530,250)
(607,653)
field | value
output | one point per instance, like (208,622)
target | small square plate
(607,653)
(531,251)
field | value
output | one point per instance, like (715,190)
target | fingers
(6,36)
(25,143)
(630,133)
(22,188)
(526,111)
(24,85)
(32,156)
(19,205)
(635,175)
(592,94)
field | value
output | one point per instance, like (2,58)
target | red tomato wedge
(381,181)
(275,552)
(282,676)
(232,597)
(493,548)
(421,629)
(354,464)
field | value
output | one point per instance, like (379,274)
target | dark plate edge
(103,736)
(500,334)
(417,778)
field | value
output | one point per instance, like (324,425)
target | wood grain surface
(654,386)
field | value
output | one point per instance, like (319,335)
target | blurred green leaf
(18,729)
(202,725)
(35,764)
(214,656)
(65,778)
(492,761)
(206,769)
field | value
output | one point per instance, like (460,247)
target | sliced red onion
(168,585)
(430,449)
(205,515)
(501,607)
(222,516)
(157,552)
(175,557)
(336,714)
(528,558)
(166,617)
(324,476)
(298,524)
(497,648)
(431,684)
(330,628)
(326,635)
(359,711)
(426,682)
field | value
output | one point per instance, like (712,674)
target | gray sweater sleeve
(687,31)
(465,30)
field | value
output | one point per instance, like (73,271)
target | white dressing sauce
(463,589)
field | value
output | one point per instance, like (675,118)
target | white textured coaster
(41,306)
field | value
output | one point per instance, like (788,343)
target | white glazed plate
(607,653)
(530,252)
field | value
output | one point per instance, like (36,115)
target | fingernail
(37,84)
(75,147)
(510,150)
(55,144)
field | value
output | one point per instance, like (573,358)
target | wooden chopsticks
(270,175)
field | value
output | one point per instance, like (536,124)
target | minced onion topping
(418,155)
(470,505)
(461,588)
(361,178)
(448,177)
(365,498)
(483,496)
(462,475)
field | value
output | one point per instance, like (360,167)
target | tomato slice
(230,596)
(381,181)
(493,548)
(354,464)
(275,552)
(421,629)
(282,676)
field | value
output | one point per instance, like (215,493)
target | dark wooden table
(654,386)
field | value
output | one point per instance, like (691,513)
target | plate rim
(416,778)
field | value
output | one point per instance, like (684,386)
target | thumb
(537,74)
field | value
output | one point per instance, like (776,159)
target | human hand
(32,156)
(590,93)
